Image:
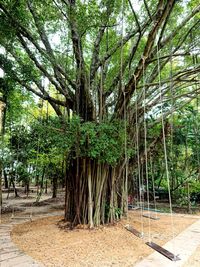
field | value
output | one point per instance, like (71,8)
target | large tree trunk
(93,193)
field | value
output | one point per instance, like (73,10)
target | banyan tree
(111,70)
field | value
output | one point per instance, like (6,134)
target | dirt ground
(26,205)
(45,241)
(108,246)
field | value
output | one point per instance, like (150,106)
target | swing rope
(156,247)
(138,160)
(101,96)
(145,149)
(164,146)
(151,244)
(39,193)
(153,185)
(124,104)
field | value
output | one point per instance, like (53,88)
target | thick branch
(125,64)
(96,49)
(25,33)
(179,27)
(161,15)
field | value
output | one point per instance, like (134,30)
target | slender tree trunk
(5,180)
(63,173)
(27,188)
(37,183)
(36,180)
(9,185)
(14,188)
(90,204)
(42,180)
(46,186)
(55,185)
(39,193)
(66,194)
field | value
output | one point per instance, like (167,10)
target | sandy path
(194,261)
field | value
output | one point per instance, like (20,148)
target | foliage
(104,141)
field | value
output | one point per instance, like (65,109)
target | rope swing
(156,247)
(138,160)
(145,150)
(151,244)
(125,178)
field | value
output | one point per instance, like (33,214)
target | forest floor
(45,241)
(25,206)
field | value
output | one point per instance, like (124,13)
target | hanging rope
(164,145)
(41,117)
(153,185)
(145,149)
(124,104)
(138,160)
(101,95)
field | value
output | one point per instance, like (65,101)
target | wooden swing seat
(151,217)
(133,231)
(163,251)
(152,210)
(131,207)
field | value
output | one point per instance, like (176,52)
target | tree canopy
(93,53)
